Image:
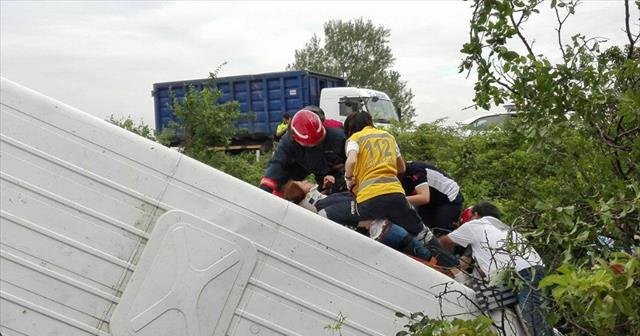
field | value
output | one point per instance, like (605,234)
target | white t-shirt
(492,248)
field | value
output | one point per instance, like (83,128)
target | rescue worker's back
(376,168)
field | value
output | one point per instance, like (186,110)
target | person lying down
(341,208)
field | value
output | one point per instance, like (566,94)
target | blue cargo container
(267,96)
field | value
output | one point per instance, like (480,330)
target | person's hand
(350,181)
(328,182)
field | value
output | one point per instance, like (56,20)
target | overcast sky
(103,57)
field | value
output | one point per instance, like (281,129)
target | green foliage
(562,193)
(602,298)
(204,122)
(359,51)
(336,326)
(127,123)
(243,166)
(530,182)
(430,142)
(578,155)
(600,89)
(577,227)
(421,325)
(206,127)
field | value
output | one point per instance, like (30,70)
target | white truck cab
(338,102)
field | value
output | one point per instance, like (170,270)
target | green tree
(565,198)
(204,123)
(594,93)
(600,89)
(205,126)
(140,129)
(421,325)
(359,51)
(569,170)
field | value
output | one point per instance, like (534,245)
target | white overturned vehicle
(106,233)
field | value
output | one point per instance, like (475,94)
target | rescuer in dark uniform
(307,148)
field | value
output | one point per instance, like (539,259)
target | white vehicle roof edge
(472,119)
(351,91)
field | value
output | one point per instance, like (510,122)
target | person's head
(307,129)
(286,117)
(356,121)
(296,191)
(482,209)
(317,110)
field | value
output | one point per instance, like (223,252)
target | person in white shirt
(497,247)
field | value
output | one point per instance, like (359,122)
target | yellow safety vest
(376,168)
(282,127)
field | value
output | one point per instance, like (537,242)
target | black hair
(356,121)
(484,208)
(286,116)
(316,110)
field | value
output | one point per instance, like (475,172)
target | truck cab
(338,102)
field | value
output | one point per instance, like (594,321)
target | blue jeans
(399,239)
(530,302)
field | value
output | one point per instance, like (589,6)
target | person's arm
(351,150)
(465,262)
(332,171)
(422,195)
(447,243)
(276,173)
(349,168)
(402,167)
(416,185)
(462,236)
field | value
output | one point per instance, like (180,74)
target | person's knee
(395,236)
(399,239)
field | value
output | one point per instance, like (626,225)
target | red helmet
(466,215)
(306,128)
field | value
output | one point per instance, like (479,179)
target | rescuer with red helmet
(307,148)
